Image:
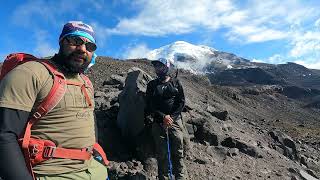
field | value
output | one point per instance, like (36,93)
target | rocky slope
(250,130)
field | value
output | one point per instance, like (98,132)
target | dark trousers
(176,147)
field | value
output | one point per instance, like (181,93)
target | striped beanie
(78,28)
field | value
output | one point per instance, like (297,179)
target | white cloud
(308,64)
(137,51)
(303,48)
(307,54)
(305,44)
(101,33)
(254,21)
(97,4)
(27,13)
(43,48)
(276,59)
(317,23)
(257,60)
(52,12)
(160,17)
(305,51)
(254,34)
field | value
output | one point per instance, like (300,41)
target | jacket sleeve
(12,124)
(96,130)
(150,108)
(179,102)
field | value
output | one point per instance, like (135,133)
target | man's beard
(69,63)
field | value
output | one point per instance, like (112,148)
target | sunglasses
(78,41)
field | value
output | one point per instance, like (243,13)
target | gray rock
(293,170)
(189,105)
(233,152)
(294,178)
(115,80)
(131,112)
(242,146)
(151,166)
(206,133)
(190,128)
(99,94)
(104,100)
(211,109)
(227,127)
(137,176)
(286,143)
(310,163)
(309,171)
(222,115)
(219,151)
(303,160)
(305,176)
(252,123)
(201,160)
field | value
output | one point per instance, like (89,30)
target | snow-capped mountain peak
(178,49)
(196,58)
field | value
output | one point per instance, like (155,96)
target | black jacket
(12,124)
(164,99)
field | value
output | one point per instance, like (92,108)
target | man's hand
(167,121)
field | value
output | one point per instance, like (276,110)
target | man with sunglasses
(70,125)
(164,102)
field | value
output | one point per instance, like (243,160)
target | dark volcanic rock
(242,146)
(132,103)
(205,133)
(286,143)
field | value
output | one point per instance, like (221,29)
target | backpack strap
(87,81)
(175,82)
(96,146)
(87,84)
(55,95)
(99,149)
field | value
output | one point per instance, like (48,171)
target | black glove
(148,121)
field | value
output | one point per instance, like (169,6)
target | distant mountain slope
(289,74)
(228,69)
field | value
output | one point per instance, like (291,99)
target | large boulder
(132,103)
(205,131)
(285,143)
(241,145)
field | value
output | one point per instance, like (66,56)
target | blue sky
(269,31)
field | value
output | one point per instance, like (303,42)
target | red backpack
(39,150)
